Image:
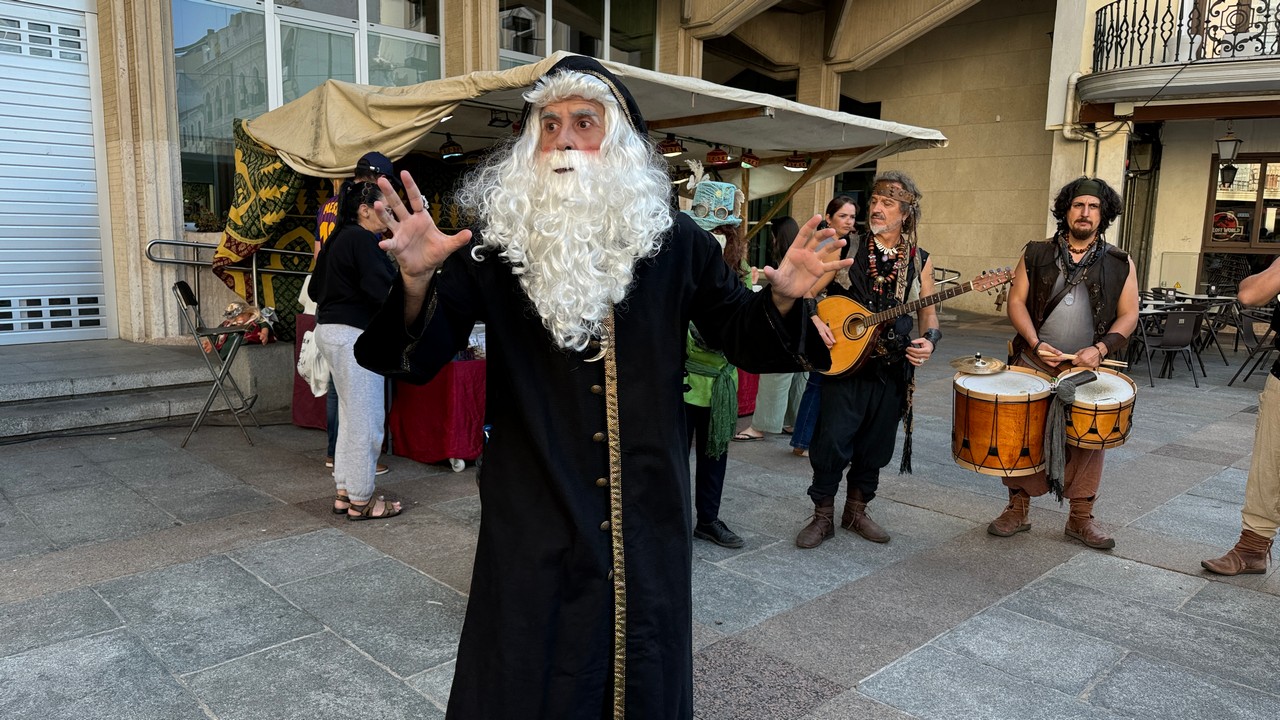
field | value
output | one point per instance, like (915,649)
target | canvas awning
(324,132)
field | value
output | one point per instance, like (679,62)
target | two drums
(998,420)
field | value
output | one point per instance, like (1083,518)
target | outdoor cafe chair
(1180,331)
(218,360)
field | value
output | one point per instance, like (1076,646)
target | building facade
(121,110)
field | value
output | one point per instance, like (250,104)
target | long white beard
(573,238)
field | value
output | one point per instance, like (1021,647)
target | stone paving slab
(1143,688)
(853,705)
(735,680)
(52,619)
(1200,519)
(102,677)
(1043,654)
(312,678)
(304,556)
(1220,650)
(103,511)
(1117,576)
(933,684)
(399,617)
(1249,610)
(435,684)
(200,614)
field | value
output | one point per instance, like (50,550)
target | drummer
(1076,294)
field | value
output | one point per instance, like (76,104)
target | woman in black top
(351,279)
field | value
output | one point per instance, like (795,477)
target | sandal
(744,436)
(800,452)
(365,511)
(340,498)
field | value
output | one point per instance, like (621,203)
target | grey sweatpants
(361,409)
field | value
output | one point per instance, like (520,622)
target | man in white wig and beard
(586,280)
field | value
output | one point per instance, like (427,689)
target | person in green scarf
(711,395)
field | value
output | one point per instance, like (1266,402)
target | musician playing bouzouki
(859,412)
(1074,294)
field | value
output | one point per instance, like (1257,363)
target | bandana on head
(894,191)
(1087,187)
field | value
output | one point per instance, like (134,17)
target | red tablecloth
(442,419)
(747,384)
(308,410)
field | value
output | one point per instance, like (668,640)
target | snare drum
(998,421)
(1102,415)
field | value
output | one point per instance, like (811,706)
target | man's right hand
(1050,355)
(418,245)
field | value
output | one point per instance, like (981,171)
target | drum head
(1011,382)
(1111,388)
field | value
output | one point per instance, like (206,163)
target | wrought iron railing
(1132,33)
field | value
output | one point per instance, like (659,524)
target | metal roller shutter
(51,265)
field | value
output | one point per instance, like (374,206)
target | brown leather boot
(821,527)
(1080,525)
(1014,518)
(1248,556)
(855,518)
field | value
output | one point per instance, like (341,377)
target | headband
(894,191)
(1087,187)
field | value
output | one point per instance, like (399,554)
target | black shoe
(717,532)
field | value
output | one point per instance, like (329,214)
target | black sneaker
(717,532)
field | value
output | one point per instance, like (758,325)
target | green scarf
(724,404)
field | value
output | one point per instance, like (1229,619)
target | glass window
(221,61)
(1269,214)
(578,26)
(337,8)
(397,61)
(631,32)
(311,55)
(1233,206)
(522,30)
(417,15)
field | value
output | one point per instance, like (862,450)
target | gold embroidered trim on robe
(615,522)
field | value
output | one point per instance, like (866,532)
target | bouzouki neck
(914,305)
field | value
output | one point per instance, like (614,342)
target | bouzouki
(856,329)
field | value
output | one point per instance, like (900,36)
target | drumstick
(1069,356)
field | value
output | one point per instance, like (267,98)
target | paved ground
(141,580)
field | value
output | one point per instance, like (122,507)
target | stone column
(817,85)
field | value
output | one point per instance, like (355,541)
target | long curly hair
(1112,204)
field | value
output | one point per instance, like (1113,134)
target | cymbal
(977,365)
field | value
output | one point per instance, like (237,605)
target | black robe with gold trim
(585,511)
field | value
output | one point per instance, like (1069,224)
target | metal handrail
(1133,33)
(197,247)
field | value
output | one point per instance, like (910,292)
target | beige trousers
(1261,512)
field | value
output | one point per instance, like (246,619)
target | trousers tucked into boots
(1014,518)
(1248,556)
(855,518)
(1080,525)
(821,526)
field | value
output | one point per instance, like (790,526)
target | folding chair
(218,360)
(1259,347)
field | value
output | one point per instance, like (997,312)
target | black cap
(375,163)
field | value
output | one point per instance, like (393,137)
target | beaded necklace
(883,283)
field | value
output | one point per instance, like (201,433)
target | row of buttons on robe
(601,481)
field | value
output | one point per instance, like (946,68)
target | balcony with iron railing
(1129,33)
(1210,47)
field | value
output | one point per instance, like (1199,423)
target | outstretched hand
(417,244)
(802,266)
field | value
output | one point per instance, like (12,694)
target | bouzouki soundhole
(854,328)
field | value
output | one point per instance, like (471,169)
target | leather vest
(1104,280)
